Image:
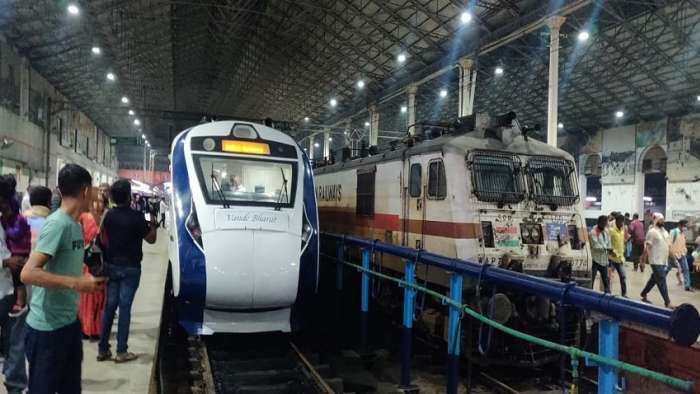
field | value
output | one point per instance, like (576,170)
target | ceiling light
(96,50)
(125,100)
(143,136)
(583,36)
(360,84)
(699,97)
(560,125)
(131,112)
(498,70)
(330,138)
(345,133)
(73,9)
(333,102)
(366,124)
(619,114)
(316,145)
(306,119)
(403,109)
(111,76)
(137,122)
(466,17)
(443,93)
(401,58)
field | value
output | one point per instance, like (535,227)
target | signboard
(233,219)
(124,141)
(555,230)
(506,236)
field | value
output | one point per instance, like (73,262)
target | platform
(637,280)
(135,376)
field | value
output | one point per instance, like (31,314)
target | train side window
(414,188)
(365,192)
(437,182)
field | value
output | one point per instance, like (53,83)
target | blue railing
(682,324)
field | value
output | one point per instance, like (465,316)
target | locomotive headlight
(192,225)
(208,144)
(306,232)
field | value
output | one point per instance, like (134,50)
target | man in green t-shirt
(53,344)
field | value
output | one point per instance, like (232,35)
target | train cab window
(365,192)
(552,181)
(437,182)
(235,181)
(415,183)
(496,177)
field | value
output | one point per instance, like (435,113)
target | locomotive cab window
(235,181)
(437,182)
(496,177)
(415,182)
(365,192)
(552,181)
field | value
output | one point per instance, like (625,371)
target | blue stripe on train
(192,295)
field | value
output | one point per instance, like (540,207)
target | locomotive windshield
(552,181)
(236,181)
(496,177)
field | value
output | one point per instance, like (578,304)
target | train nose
(253,270)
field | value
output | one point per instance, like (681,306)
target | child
(19,241)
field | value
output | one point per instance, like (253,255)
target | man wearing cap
(657,248)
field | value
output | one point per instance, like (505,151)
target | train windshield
(496,177)
(552,181)
(236,181)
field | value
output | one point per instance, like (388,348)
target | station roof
(179,60)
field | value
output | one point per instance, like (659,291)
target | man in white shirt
(14,367)
(657,249)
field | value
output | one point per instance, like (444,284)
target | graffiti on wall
(684,149)
(651,133)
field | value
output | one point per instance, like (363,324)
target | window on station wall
(365,192)
(415,182)
(437,182)
(594,188)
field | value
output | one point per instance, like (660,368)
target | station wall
(28,142)
(670,146)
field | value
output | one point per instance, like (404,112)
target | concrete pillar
(411,108)
(327,144)
(554,24)
(373,125)
(311,147)
(467,86)
(24,87)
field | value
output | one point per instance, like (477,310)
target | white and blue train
(244,243)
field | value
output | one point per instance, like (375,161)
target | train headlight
(208,144)
(193,228)
(306,232)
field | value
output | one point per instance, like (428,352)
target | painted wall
(622,189)
(25,97)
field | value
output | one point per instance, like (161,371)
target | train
(244,241)
(479,189)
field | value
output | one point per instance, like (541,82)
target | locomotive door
(413,203)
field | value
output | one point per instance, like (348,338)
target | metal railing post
(364,304)
(340,266)
(608,346)
(409,295)
(454,335)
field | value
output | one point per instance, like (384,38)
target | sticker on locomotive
(557,232)
(506,236)
(230,219)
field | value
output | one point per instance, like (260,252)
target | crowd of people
(617,238)
(71,258)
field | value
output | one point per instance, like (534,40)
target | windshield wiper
(283,192)
(217,188)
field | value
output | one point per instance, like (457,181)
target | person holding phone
(123,232)
(53,341)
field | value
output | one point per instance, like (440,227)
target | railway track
(256,363)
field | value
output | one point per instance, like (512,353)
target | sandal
(125,357)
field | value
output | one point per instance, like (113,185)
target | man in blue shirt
(53,344)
